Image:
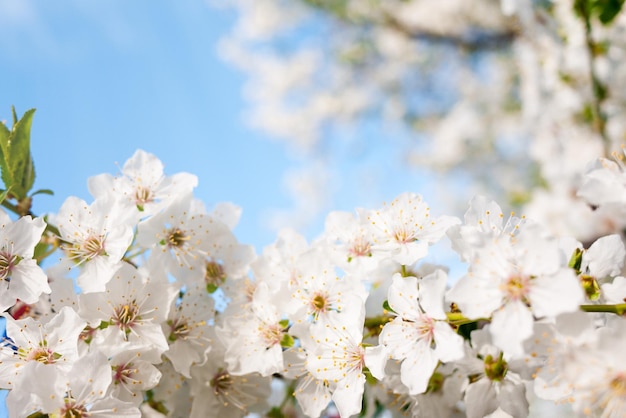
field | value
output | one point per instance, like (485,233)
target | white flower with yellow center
(31,343)
(129,313)
(20,276)
(404,228)
(183,237)
(419,335)
(95,238)
(514,281)
(253,338)
(336,356)
(143,184)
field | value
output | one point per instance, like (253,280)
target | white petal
(432,289)
(449,344)
(403,295)
(511,326)
(512,399)
(556,294)
(605,257)
(480,399)
(417,369)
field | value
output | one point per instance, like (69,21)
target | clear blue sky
(108,77)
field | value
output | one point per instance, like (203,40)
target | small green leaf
(21,162)
(465,330)
(387,307)
(104,325)
(211,288)
(576,260)
(5,135)
(287,341)
(3,195)
(16,163)
(607,9)
(42,191)
(284,323)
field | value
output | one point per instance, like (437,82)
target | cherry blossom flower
(483,222)
(20,276)
(143,184)
(217,392)
(515,280)
(129,313)
(336,355)
(253,339)
(187,329)
(83,392)
(496,382)
(53,344)
(405,228)
(182,237)
(418,336)
(95,237)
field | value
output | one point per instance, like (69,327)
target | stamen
(7,262)
(176,238)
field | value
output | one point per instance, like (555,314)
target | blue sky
(109,77)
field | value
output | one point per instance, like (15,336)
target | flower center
(618,385)
(214,274)
(425,329)
(495,369)
(87,334)
(403,236)
(271,334)
(360,248)
(221,383)
(143,195)
(73,410)
(43,355)
(176,238)
(7,262)
(319,303)
(89,249)
(126,316)
(123,373)
(356,358)
(590,286)
(178,329)
(517,287)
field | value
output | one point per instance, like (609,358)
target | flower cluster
(155,308)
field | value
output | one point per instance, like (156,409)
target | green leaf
(387,307)
(16,163)
(5,135)
(465,330)
(576,260)
(284,323)
(3,195)
(42,191)
(211,288)
(287,341)
(21,159)
(607,9)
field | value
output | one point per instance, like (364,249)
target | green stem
(619,309)
(404,271)
(377,322)
(457,319)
